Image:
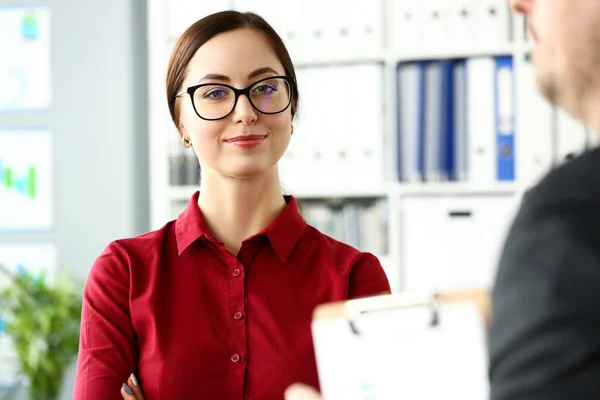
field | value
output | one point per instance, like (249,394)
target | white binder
(405,21)
(404,346)
(461,24)
(481,157)
(492,23)
(434,24)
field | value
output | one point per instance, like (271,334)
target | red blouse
(193,321)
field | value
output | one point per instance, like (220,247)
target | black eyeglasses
(213,101)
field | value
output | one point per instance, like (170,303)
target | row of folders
(456,120)
(307,26)
(453,120)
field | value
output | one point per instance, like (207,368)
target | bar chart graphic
(25,180)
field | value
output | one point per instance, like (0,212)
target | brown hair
(207,28)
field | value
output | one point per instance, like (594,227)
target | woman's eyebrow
(225,78)
(261,71)
(215,77)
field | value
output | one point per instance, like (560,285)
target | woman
(217,304)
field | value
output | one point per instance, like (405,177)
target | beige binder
(404,346)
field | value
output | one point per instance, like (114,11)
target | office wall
(98,119)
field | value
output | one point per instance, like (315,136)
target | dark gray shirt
(545,336)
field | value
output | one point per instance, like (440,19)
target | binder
(365,134)
(492,23)
(368,22)
(405,21)
(411,121)
(290,15)
(461,24)
(433,122)
(460,122)
(480,120)
(505,120)
(434,24)
(404,346)
(439,121)
(448,115)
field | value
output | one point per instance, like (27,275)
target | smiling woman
(218,303)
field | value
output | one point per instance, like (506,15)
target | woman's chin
(246,172)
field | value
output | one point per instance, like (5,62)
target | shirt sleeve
(367,277)
(545,335)
(107,345)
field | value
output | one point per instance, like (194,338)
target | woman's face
(246,143)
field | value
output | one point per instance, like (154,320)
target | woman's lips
(246,141)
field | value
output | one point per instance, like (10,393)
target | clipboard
(404,346)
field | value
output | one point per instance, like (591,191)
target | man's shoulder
(573,183)
(548,284)
(560,213)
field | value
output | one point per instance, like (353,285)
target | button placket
(238,341)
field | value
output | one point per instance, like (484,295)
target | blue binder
(505,119)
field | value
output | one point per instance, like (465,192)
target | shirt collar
(283,233)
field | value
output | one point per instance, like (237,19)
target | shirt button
(236,272)
(235,358)
(238,315)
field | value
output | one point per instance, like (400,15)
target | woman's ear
(185,139)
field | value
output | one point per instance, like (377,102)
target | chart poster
(25,58)
(39,259)
(26,172)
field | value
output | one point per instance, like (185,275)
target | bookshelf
(166,199)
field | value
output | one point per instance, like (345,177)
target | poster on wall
(26,180)
(40,261)
(25,57)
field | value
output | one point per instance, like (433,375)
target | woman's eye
(265,89)
(215,94)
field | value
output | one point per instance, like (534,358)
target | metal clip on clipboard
(356,308)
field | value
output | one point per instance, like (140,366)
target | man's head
(566,38)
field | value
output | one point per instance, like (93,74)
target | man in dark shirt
(545,336)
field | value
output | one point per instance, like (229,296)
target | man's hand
(301,392)
(132,390)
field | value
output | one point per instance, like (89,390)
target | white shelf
(441,54)
(183,193)
(453,188)
(392,56)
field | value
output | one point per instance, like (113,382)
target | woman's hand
(132,390)
(301,392)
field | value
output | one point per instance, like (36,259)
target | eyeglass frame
(238,92)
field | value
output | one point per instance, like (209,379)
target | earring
(186,142)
